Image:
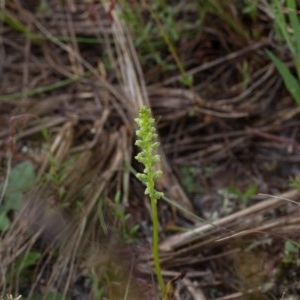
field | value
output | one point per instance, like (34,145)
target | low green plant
(18,181)
(220,9)
(295,183)
(129,233)
(156,29)
(291,251)
(25,261)
(234,198)
(251,8)
(22,269)
(98,289)
(243,196)
(189,183)
(288,26)
(146,141)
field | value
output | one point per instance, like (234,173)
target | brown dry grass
(230,132)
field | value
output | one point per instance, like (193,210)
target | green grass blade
(282,24)
(294,21)
(11,21)
(228,19)
(42,89)
(290,81)
(8,18)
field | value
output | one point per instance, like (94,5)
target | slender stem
(155,224)
(146,141)
(155,244)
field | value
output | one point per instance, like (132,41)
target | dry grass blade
(134,88)
(196,292)
(183,239)
(128,65)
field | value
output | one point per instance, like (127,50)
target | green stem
(155,243)
(155,224)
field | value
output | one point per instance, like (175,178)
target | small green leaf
(4,221)
(26,261)
(291,83)
(234,191)
(13,201)
(21,178)
(19,181)
(250,192)
(291,247)
(295,183)
(187,80)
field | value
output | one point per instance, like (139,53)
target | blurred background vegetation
(222,81)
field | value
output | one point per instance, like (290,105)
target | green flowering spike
(142,177)
(146,141)
(156,159)
(158,194)
(157,174)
